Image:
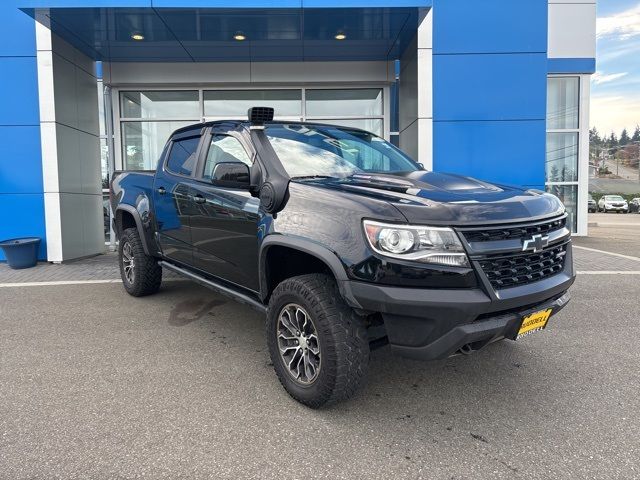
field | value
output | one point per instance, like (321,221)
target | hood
(443,198)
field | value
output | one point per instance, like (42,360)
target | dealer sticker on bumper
(534,322)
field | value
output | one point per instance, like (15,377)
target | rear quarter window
(182,156)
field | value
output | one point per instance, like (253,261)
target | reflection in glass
(182,156)
(104,163)
(373,125)
(330,151)
(562,157)
(106,209)
(568,194)
(160,104)
(562,102)
(235,103)
(224,148)
(142,142)
(362,102)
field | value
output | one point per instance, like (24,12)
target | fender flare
(321,252)
(136,217)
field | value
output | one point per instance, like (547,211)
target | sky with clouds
(615,87)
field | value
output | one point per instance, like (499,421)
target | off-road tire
(343,342)
(147,273)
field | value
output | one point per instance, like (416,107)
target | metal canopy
(207,34)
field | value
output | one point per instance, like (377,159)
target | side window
(182,157)
(224,148)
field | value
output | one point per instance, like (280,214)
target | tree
(612,141)
(594,137)
(636,134)
(624,137)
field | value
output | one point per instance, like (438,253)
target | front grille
(516,269)
(507,233)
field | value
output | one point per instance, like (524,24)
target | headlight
(434,245)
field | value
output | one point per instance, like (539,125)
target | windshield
(328,151)
(614,198)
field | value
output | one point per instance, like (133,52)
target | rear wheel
(318,345)
(141,274)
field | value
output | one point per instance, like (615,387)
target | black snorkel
(272,183)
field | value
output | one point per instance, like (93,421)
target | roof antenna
(258,116)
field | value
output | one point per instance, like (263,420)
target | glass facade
(562,102)
(563,136)
(562,157)
(148,117)
(143,142)
(160,104)
(344,103)
(235,103)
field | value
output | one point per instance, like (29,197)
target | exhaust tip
(466,349)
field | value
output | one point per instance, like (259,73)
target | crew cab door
(172,200)
(224,223)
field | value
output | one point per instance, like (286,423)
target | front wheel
(141,274)
(318,345)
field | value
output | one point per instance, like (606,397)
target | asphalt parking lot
(613,232)
(97,384)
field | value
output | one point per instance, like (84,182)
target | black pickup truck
(345,243)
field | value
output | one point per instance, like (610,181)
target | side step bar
(218,287)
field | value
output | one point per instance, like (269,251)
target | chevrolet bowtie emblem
(536,243)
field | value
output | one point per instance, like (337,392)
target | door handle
(161,190)
(199,199)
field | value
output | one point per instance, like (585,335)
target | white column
(415,105)
(70,149)
(583,156)
(572,29)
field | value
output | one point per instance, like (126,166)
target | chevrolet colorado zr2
(345,243)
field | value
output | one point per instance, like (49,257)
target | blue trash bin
(21,252)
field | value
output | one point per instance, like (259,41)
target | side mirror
(231,174)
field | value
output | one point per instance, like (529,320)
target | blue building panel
(28,4)
(490,26)
(571,65)
(17,37)
(366,3)
(489,87)
(22,215)
(509,152)
(20,161)
(21,197)
(273,4)
(19,91)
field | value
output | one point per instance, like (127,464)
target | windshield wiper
(311,177)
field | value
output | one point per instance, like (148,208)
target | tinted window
(182,158)
(224,148)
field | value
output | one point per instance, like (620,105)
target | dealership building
(494,89)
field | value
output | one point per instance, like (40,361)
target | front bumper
(430,324)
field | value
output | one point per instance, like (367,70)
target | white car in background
(613,203)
